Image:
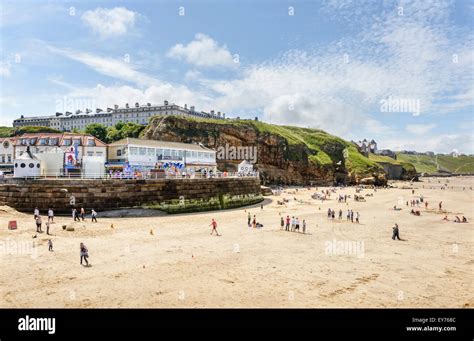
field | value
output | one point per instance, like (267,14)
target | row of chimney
(137,105)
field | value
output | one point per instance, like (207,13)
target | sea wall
(63,194)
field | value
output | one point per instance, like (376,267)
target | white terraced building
(140,114)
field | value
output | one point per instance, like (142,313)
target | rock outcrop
(283,155)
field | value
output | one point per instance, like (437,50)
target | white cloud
(110,22)
(203,51)
(5,69)
(112,67)
(419,129)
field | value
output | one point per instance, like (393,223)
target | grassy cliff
(295,145)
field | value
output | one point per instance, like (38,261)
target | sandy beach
(181,265)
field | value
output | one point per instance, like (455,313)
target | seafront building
(141,114)
(6,154)
(144,155)
(81,155)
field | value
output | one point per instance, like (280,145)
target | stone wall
(25,195)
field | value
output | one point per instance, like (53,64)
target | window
(66,142)
(188,153)
(119,152)
(91,142)
(42,142)
(99,153)
(142,151)
(151,151)
(31,165)
(77,142)
(9,158)
(90,153)
(194,154)
(22,165)
(3,158)
(133,150)
(167,152)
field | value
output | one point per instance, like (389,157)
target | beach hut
(27,165)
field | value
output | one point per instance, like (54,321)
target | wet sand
(336,264)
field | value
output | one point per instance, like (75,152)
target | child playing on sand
(50,245)
(36,212)
(304,226)
(214,227)
(282,223)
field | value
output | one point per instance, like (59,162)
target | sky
(400,72)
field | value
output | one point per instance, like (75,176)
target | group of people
(84,253)
(349,215)
(81,215)
(456,219)
(293,224)
(252,222)
(39,220)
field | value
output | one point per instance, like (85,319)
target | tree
(131,130)
(97,130)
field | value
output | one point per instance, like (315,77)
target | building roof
(60,137)
(162,144)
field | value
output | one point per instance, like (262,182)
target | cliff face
(285,155)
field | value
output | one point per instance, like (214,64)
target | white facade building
(143,155)
(6,154)
(140,114)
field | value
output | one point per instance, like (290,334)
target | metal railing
(143,176)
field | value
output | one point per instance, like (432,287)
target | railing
(147,176)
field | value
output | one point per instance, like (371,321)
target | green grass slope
(429,164)
(326,150)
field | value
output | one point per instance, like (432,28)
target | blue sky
(334,65)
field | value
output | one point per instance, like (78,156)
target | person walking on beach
(287,228)
(282,223)
(94,216)
(75,215)
(348,216)
(36,212)
(304,226)
(254,222)
(357,217)
(395,232)
(84,253)
(50,215)
(83,213)
(352,216)
(47,228)
(249,219)
(340,214)
(39,223)
(50,245)
(293,223)
(440,205)
(214,227)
